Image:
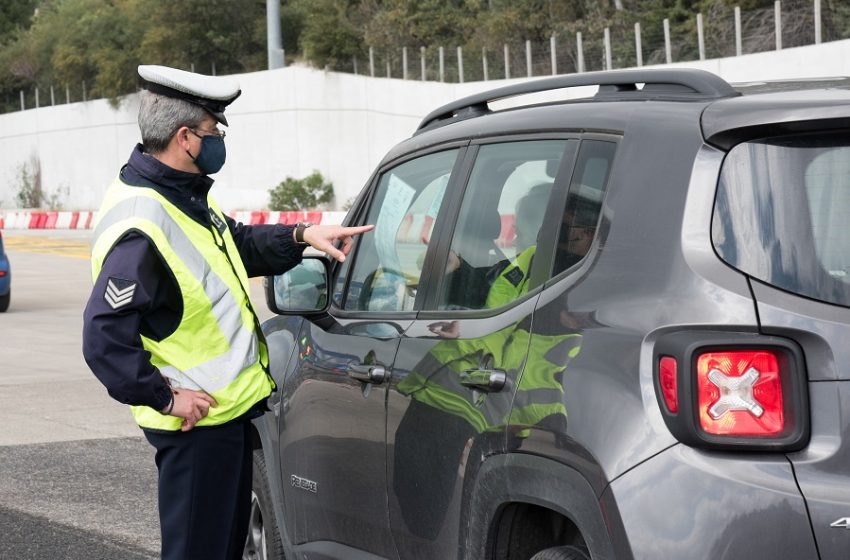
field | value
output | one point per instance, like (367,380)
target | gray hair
(160,117)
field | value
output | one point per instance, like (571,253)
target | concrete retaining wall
(290,122)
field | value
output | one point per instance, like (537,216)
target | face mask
(212,155)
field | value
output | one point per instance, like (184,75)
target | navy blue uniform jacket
(112,345)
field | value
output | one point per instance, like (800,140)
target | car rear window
(782,214)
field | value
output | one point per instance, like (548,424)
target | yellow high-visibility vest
(217,347)
(512,282)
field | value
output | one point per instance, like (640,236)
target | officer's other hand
(191,406)
(323,238)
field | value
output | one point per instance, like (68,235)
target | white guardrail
(39,219)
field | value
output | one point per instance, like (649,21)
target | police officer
(169,328)
(512,280)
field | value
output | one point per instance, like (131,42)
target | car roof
(687,90)
(681,84)
(728,113)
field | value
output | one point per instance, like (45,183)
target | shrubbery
(310,193)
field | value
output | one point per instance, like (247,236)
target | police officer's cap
(210,92)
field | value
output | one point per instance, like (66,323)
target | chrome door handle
(367,373)
(487,380)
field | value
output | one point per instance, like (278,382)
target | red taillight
(667,371)
(740,393)
(2,273)
(730,390)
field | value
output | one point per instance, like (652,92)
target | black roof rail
(671,84)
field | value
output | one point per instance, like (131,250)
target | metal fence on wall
(45,96)
(724,32)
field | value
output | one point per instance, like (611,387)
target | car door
(459,363)
(332,430)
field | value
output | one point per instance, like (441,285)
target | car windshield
(783,214)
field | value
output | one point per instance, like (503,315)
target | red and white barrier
(29,219)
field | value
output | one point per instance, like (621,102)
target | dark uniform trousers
(204,490)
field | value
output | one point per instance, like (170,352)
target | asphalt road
(77,479)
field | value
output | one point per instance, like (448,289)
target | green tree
(395,23)
(331,35)
(24,63)
(229,34)
(21,61)
(15,15)
(95,42)
(292,19)
(309,193)
(532,20)
(70,42)
(101,42)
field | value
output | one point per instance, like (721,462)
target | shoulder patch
(119,292)
(217,222)
(515,276)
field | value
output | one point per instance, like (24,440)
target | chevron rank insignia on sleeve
(119,292)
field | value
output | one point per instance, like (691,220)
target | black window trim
(526,137)
(615,139)
(541,267)
(443,231)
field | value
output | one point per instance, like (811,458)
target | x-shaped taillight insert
(736,393)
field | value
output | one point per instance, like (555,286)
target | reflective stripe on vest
(215,307)
(540,392)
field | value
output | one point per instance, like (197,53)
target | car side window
(389,259)
(495,238)
(584,203)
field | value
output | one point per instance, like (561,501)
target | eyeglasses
(214,132)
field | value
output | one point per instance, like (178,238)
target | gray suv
(608,327)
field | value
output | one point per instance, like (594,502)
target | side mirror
(303,290)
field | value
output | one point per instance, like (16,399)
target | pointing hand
(323,237)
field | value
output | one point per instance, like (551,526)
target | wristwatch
(299,232)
